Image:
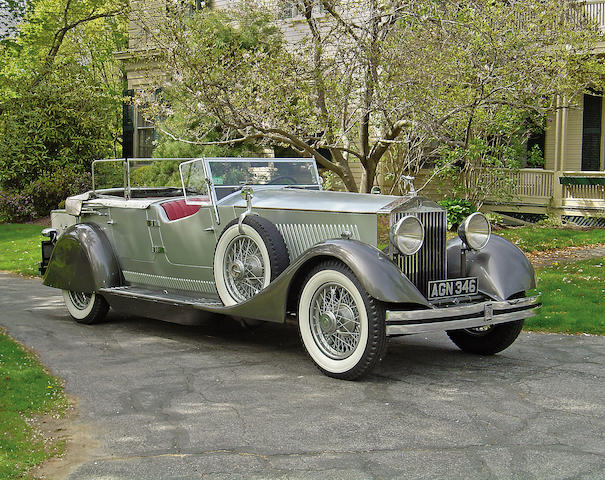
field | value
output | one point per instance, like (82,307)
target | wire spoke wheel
(80,300)
(341,326)
(243,268)
(479,331)
(84,307)
(247,258)
(335,322)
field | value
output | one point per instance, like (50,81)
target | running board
(178,299)
(267,305)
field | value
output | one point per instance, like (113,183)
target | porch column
(561,133)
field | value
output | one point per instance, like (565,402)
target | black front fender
(83,261)
(382,279)
(501,268)
(377,273)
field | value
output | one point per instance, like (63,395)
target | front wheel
(85,308)
(342,327)
(486,340)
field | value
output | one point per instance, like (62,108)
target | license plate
(455,287)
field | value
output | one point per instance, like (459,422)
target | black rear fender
(83,261)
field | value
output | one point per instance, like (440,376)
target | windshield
(229,175)
(137,177)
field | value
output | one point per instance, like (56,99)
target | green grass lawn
(572,297)
(534,239)
(26,390)
(20,248)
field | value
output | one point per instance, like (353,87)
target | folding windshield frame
(208,184)
(126,171)
(206,168)
(268,160)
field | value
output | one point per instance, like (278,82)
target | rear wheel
(341,326)
(486,340)
(85,308)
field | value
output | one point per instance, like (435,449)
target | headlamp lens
(407,235)
(475,231)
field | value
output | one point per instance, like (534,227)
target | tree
(491,72)
(60,89)
(365,76)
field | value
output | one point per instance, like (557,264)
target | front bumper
(47,250)
(458,316)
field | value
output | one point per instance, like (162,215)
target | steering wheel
(283,177)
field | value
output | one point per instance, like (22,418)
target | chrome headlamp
(475,231)
(407,235)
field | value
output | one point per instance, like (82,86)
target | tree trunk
(348,179)
(367,178)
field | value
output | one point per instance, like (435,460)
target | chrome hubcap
(327,322)
(479,331)
(80,300)
(335,323)
(243,267)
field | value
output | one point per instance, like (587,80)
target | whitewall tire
(341,326)
(85,308)
(246,262)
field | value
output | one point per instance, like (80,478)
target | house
(10,16)
(570,183)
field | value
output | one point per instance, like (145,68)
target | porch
(547,191)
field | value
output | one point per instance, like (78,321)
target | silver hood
(313,200)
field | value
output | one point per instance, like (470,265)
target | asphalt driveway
(168,401)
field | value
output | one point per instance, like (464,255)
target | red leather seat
(176,209)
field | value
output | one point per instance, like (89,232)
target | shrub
(457,210)
(42,195)
(64,122)
(15,207)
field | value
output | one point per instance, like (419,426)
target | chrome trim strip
(457,324)
(481,314)
(169,298)
(468,310)
(200,286)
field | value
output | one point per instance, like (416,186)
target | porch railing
(555,189)
(533,183)
(529,185)
(584,192)
(594,11)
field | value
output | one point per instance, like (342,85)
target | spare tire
(248,261)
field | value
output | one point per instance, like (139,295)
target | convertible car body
(258,239)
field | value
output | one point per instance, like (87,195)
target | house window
(290,10)
(144,137)
(187,6)
(591,133)
(128,125)
(535,149)
(287,10)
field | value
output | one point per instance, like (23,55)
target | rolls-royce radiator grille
(429,263)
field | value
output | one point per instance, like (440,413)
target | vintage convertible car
(259,240)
